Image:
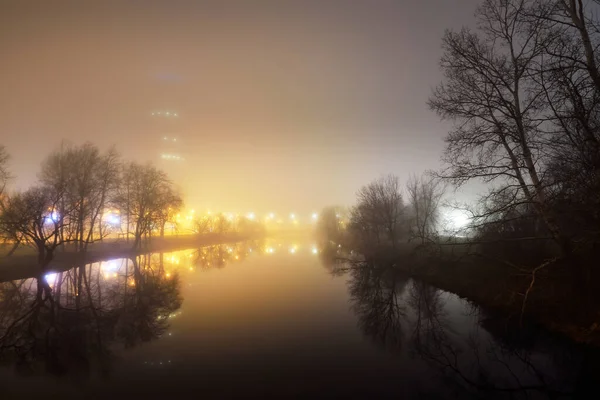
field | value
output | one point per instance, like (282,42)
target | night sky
(285,105)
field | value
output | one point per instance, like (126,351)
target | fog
(281,105)
(303,198)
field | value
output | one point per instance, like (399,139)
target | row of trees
(523,90)
(76,187)
(221,224)
(382,216)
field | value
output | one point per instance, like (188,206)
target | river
(272,318)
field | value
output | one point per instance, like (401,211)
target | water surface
(270,318)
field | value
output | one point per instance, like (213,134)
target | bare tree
(491,93)
(380,210)
(170,204)
(568,76)
(574,14)
(203,225)
(33,217)
(4,174)
(88,180)
(424,196)
(6,235)
(222,225)
(329,227)
(145,196)
(107,184)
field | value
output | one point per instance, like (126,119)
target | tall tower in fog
(170,143)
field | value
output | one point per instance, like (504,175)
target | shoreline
(25,266)
(488,295)
(553,303)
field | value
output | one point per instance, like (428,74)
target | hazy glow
(110,266)
(54,216)
(263,106)
(113,219)
(51,278)
(457,219)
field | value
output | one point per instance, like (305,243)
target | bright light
(293,250)
(271,215)
(110,266)
(457,219)
(315,216)
(292,216)
(314,250)
(270,250)
(54,216)
(51,278)
(113,219)
(251,216)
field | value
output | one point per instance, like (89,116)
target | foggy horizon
(357,199)
(275,100)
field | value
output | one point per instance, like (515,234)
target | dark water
(268,319)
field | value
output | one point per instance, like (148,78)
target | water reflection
(67,323)
(411,318)
(376,297)
(268,315)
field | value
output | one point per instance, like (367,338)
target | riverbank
(23,264)
(553,300)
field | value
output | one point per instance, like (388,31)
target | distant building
(169,142)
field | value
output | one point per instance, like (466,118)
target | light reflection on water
(266,317)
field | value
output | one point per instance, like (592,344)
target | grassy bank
(555,300)
(23,263)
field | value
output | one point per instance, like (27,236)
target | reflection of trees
(148,304)
(470,364)
(430,332)
(218,256)
(67,325)
(476,365)
(375,293)
(333,257)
